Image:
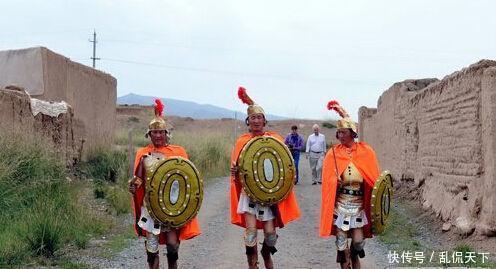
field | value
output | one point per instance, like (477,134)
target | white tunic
(245,205)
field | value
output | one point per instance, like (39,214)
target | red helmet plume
(244,96)
(334,105)
(159,108)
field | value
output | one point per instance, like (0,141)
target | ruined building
(82,113)
(440,136)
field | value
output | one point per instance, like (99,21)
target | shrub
(328,125)
(43,233)
(109,170)
(105,165)
(119,198)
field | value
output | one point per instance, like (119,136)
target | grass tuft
(105,164)
(109,169)
(40,208)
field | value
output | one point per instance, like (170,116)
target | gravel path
(220,245)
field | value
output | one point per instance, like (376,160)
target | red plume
(244,96)
(159,108)
(334,105)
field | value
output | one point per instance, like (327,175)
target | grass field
(41,211)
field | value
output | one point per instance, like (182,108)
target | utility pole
(94,48)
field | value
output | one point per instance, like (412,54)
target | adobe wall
(440,135)
(61,131)
(46,75)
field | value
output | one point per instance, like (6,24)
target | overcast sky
(292,56)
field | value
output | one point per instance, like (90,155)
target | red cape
(190,229)
(286,211)
(366,162)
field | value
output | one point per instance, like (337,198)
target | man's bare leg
(251,240)
(172,249)
(268,247)
(343,252)
(151,247)
(357,244)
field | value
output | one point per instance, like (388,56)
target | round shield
(381,202)
(174,191)
(266,170)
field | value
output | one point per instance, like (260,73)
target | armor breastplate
(151,159)
(351,176)
(351,181)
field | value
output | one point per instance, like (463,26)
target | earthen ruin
(440,136)
(45,75)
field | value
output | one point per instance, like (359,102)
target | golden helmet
(345,122)
(253,108)
(158,122)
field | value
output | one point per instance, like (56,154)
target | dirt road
(221,245)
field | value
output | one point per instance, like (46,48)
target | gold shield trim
(174,191)
(266,170)
(381,202)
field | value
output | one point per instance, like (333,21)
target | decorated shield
(381,202)
(174,191)
(266,170)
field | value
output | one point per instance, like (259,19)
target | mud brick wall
(61,132)
(440,135)
(49,76)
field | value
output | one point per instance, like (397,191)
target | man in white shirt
(316,147)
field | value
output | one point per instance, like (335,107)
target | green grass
(210,151)
(106,165)
(119,198)
(40,208)
(109,171)
(400,233)
(329,125)
(402,236)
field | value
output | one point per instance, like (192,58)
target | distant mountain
(186,108)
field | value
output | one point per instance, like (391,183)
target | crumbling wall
(440,136)
(46,75)
(62,131)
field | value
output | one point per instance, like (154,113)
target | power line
(94,48)
(309,48)
(196,69)
(19,34)
(242,74)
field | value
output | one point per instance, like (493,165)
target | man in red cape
(249,214)
(144,225)
(349,172)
